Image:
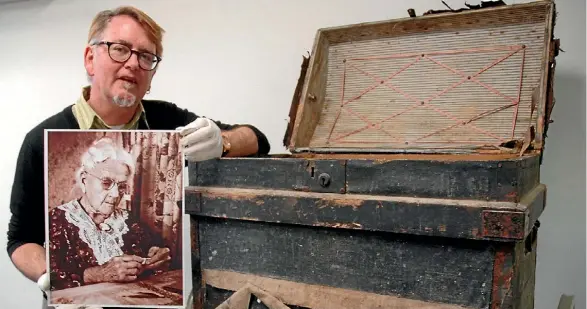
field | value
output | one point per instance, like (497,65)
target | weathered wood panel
(514,274)
(525,275)
(216,296)
(422,268)
(528,175)
(271,173)
(519,14)
(487,178)
(281,260)
(313,94)
(293,110)
(491,180)
(470,219)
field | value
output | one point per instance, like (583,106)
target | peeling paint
(475,232)
(503,224)
(503,271)
(350,225)
(339,202)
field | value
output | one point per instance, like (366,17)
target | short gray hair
(102,150)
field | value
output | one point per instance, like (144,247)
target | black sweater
(27,223)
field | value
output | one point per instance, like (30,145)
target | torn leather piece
(241,299)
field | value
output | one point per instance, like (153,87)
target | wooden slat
(546,78)
(293,110)
(467,219)
(522,13)
(316,296)
(313,94)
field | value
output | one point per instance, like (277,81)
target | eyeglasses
(108,183)
(120,52)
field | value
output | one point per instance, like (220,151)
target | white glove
(43,282)
(201,140)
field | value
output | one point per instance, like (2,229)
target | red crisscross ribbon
(511,50)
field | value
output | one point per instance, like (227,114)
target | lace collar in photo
(105,244)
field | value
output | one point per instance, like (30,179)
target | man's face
(122,83)
(105,185)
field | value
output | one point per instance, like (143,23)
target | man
(123,53)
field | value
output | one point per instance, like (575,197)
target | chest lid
(477,80)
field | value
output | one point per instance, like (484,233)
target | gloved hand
(201,140)
(44,283)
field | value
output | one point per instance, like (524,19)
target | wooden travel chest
(413,179)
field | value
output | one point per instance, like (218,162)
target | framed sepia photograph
(114,217)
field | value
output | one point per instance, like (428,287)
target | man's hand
(159,258)
(119,269)
(201,140)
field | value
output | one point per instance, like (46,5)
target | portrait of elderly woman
(114,216)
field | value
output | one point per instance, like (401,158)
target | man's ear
(89,60)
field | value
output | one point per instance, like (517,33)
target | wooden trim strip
(545,78)
(395,214)
(354,199)
(315,296)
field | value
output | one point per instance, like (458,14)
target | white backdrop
(238,61)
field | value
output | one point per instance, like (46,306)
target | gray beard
(125,101)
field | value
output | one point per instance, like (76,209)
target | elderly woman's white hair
(101,150)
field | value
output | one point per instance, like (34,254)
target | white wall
(238,61)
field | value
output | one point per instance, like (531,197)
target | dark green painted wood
(486,180)
(506,180)
(270,173)
(424,268)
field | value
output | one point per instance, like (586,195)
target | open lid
(478,80)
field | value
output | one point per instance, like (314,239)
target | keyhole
(324,180)
(312,172)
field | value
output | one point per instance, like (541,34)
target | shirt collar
(88,119)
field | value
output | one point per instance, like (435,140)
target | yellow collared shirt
(88,119)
